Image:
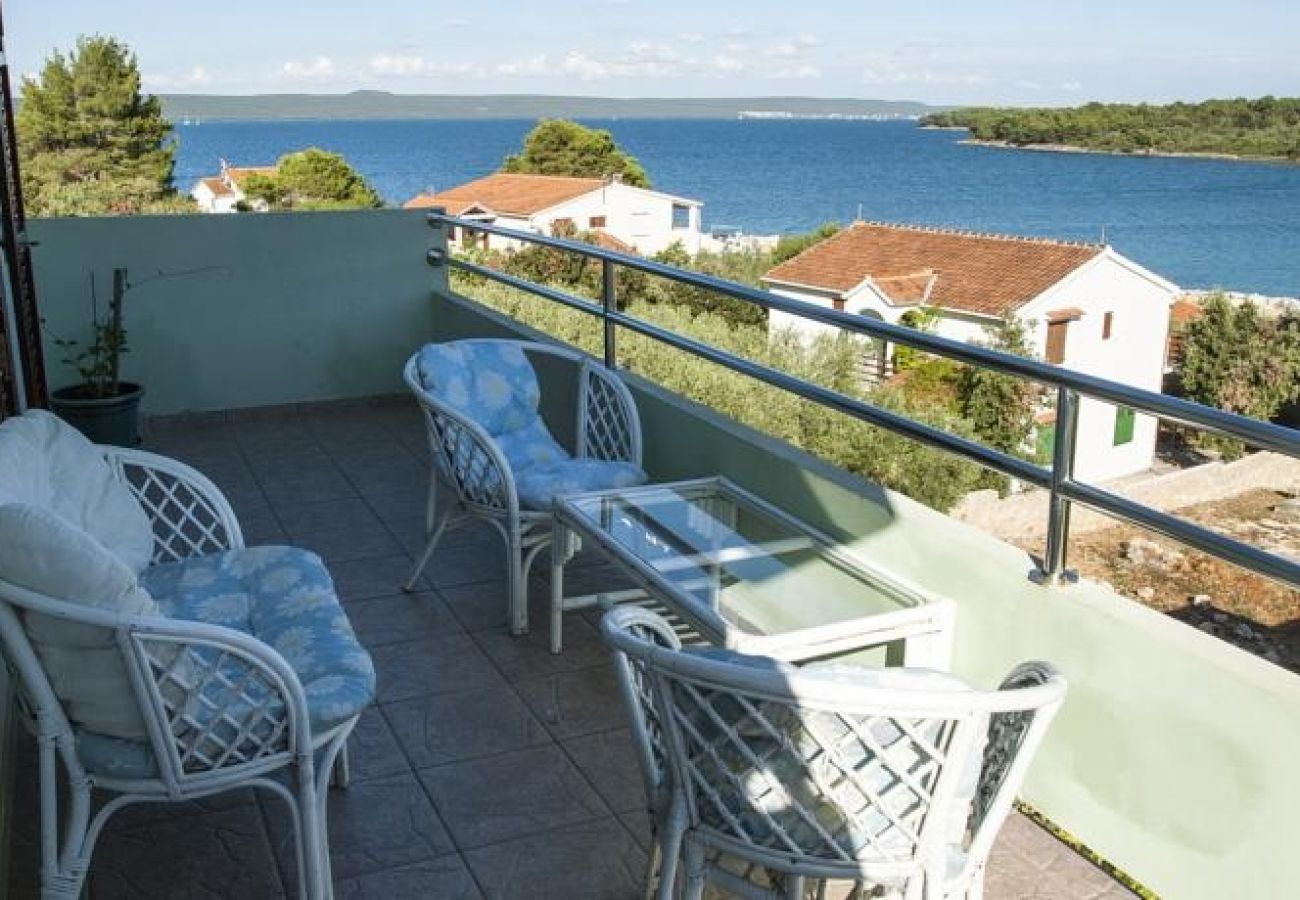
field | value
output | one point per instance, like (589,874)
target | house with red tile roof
(223,193)
(643,220)
(1087,307)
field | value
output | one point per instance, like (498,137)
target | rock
(1146,593)
(1220,618)
(1288,511)
(1145,552)
(1244,631)
(1209,628)
(1273,656)
(1202,600)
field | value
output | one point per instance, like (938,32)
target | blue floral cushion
(283,596)
(280,595)
(538,486)
(494,384)
(490,382)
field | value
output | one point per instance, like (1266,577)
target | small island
(1264,128)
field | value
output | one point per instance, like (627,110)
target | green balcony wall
(251,310)
(1174,755)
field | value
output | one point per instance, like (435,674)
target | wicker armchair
(499,462)
(762,777)
(220,708)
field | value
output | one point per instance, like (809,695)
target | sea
(1202,223)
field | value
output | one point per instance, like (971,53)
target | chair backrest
(481,398)
(844,770)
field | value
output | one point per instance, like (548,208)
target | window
(681,216)
(1106,322)
(596,222)
(451,234)
(1124,417)
(1056,341)
(562,227)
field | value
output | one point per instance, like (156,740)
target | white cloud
(804,72)
(1071,86)
(314,69)
(726,64)
(889,72)
(383,64)
(792,47)
(526,68)
(690,37)
(198,76)
(584,67)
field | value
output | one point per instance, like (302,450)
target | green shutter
(1046,442)
(1124,417)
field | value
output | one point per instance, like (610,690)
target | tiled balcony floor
(489,767)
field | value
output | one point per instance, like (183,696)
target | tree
(1236,357)
(999,407)
(90,142)
(317,179)
(561,147)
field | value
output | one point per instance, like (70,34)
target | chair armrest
(608,425)
(214,698)
(190,515)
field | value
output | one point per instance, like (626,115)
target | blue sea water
(1200,222)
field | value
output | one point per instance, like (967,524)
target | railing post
(1058,509)
(608,302)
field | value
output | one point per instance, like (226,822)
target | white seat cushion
(47,463)
(42,552)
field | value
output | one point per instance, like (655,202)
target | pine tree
(90,142)
(561,147)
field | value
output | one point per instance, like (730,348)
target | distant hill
(384,105)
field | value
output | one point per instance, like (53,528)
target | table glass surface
(734,560)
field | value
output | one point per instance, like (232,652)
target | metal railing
(1063,489)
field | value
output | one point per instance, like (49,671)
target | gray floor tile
(433,666)
(529,656)
(261,528)
(467,562)
(224,853)
(497,798)
(479,606)
(385,475)
(140,814)
(373,748)
(381,576)
(450,727)
(609,761)
(401,617)
(443,878)
(595,861)
(373,825)
(324,515)
(575,703)
(348,542)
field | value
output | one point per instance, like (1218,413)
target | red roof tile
(511,194)
(987,274)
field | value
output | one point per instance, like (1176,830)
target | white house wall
(638,217)
(1133,355)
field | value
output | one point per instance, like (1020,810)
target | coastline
(1151,154)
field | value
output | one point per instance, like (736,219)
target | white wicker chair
(473,467)
(766,778)
(170,663)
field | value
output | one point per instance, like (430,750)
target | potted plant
(101,406)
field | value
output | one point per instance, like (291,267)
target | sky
(1022,52)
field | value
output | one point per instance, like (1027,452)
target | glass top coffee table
(743,574)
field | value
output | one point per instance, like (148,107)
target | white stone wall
(1133,355)
(638,217)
